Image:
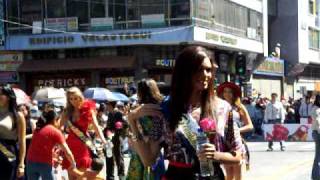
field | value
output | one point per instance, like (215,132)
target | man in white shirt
(305,108)
(274,113)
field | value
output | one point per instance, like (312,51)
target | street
(293,164)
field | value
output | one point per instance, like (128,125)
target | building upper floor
(295,24)
(242,18)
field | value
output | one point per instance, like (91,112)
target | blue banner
(172,35)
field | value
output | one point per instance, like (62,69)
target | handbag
(7,153)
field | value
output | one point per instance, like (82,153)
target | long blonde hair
(72,91)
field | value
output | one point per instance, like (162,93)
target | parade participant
(79,114)
(192,99)
(118,127)
(12,133)
(46,137)
(147,132)
(232,93)
(101,115)
(315,114)
(274,113)
(305,108)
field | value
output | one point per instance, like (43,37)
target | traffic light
(241,65)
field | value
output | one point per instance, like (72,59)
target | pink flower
(118,125)
(208,125)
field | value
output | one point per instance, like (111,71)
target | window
(76,8)
(99,8)
(55,8)
(31,11)
(180,9)
(13,12)
(153,6)
(120,10)
(312,7)
(314,38)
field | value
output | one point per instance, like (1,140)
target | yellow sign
(223,39)
(271,66)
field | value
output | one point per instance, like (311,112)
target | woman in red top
(45,138)
(81,113)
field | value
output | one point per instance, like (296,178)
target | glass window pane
(180,9)
(31,11)
(120,10)
(98,8)
(55,8)
(76,8)
(13,14)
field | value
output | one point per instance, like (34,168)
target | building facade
(111,42)
(295,25)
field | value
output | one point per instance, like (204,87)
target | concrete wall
(283,29)
(306,20)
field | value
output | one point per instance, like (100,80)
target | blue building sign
(109,38)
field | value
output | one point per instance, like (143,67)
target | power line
(90,34)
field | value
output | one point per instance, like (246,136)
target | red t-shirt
(42,144)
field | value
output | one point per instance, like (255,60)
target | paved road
(293,164)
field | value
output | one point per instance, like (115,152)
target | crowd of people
(86,137)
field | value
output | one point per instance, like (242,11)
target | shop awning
(109,62)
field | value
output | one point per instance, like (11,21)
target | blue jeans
(316,162)
(37,170)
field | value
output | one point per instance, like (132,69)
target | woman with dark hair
(147,131)
(192,100)
(45,138)
(240,116)
(315,115)
(12,136)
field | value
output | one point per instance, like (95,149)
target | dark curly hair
(12,105)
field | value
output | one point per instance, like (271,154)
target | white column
(265,26)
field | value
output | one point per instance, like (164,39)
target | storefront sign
(152,20)
(171,35)
(217,38)
(62,82)
(119,36)
(69,39)
(271,66)
(61,24)
(8,77)
(165,62)
(118,81)
(288,132)
(36,27)
(10,61)
(101,24)
(223,39)
(51,40)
